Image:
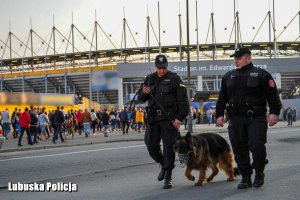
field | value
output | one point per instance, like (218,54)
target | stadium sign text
(210,68)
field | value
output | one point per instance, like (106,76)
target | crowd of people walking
(59,124)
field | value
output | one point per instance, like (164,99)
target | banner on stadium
(104,80)
(56,99)
(31,98)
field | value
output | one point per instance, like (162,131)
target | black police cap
(239,52)
(161,61)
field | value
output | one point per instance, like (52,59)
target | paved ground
(10,145)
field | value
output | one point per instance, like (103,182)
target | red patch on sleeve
(271,83)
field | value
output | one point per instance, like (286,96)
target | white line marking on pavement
(75,152)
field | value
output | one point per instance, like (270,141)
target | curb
(66,145)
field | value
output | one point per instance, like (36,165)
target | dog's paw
(191,178)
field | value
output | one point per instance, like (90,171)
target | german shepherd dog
(202,151)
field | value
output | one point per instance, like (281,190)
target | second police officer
(245,93)
(167,106)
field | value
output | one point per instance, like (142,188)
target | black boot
(168,179)
(245,183)
(259,180)
(161,174)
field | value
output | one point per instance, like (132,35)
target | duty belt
(251,115)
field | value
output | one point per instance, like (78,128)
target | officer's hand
(177,124)
(146,90)
(220,121)
(273,119)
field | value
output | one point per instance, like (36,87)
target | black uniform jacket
(248,88)
(169,92)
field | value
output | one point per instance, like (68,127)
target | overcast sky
(110,15)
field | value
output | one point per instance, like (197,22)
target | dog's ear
(188,136)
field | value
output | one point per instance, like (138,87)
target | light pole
(274,30)
(190,127)
(197,30)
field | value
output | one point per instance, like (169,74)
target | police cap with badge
(239,52)
(161,61)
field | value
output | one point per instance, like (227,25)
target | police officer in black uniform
(245,92)
(167,106)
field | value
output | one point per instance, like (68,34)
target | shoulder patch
(271,83)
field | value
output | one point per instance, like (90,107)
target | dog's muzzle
(182,159)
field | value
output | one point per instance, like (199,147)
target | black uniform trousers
(162,130)
(248,135)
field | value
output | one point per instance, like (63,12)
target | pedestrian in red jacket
(78,119)
(25,126)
